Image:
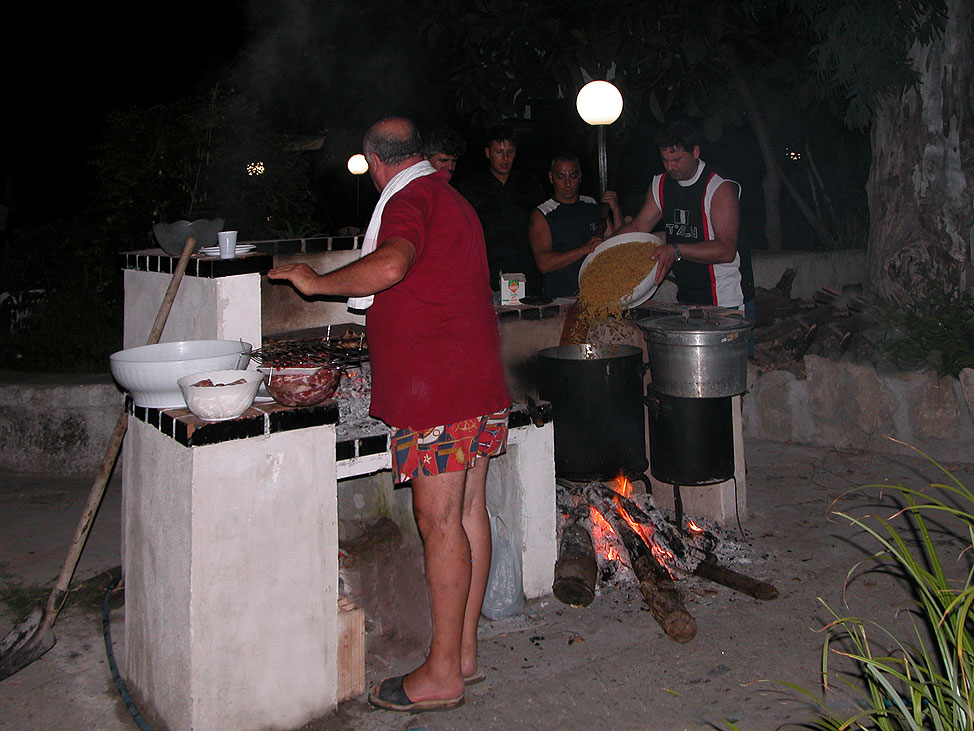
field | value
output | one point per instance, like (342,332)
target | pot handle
(653,329)
(652,403)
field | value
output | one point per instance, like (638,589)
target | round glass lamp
(357,164)
(599,103)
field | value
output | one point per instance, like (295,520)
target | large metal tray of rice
(625,275)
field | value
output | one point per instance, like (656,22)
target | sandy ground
(605,666)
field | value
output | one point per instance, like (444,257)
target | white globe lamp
(599,103)
(357,164)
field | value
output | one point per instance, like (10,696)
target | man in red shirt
(437,380)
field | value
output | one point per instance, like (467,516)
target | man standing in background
(567,227)
(504,199)
(442,148)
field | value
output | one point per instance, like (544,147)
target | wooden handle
(177,277)
(60,592)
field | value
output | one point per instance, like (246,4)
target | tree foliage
(672,54)
(198,158)
(861,49)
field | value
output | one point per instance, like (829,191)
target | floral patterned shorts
(448,448)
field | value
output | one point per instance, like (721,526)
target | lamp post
(357,165)
(599,103)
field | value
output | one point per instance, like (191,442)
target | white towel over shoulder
(395,184)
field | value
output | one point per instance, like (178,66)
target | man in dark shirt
(567,227)
(443,147)
(700,211)
(504,199)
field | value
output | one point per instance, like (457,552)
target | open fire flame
(602,529)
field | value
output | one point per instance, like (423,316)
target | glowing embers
(604,537)
(614,534)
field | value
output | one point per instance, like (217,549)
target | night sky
(313,68)
(326,69)
(64,66)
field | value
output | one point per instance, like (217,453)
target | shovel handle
(60,592)
(167,300)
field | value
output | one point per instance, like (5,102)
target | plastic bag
(505,592)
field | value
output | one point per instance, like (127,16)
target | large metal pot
(596,395)
(702,356)
(691,440)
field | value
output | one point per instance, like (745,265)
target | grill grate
(349,350)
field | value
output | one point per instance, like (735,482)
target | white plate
(215,250)
(263,397)
(646,288)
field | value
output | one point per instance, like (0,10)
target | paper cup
(228,244)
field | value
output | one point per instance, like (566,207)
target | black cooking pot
(691,440)
(596,395)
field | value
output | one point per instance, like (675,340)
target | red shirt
(433,338)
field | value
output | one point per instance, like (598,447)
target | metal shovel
(35,635)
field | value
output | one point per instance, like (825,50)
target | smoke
(333,69)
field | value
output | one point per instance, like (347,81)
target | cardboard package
(512,288)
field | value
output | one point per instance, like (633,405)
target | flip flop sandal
(391,696)
(477,676)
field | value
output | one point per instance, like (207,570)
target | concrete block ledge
(56,424)
(59,424)
(852,406)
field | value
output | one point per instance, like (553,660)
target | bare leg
(438,505)
(476,524)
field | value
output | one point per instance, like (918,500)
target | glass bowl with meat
(301,385)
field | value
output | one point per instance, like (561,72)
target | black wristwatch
(676,249)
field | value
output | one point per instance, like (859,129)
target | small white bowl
(225,399)
(150,372)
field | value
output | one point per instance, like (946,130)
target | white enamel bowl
(646,288)
(150,372)
(225,399)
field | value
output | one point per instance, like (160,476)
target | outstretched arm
(381,269)
(548,260)
(647,218)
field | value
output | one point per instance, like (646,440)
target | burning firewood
(576,569)
(657,587)
(701,562)
(661,595)
(608,526)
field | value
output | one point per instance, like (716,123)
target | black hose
(116,676)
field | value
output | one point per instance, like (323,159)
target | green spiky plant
(925,683)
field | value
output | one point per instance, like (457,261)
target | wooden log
(576,568)
(711,570)
(351,649)
(661,595)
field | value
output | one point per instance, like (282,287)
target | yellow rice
(607,281)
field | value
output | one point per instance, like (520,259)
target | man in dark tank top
(567,227)
(700,212)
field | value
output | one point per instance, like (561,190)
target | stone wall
(852,406)
(56,424)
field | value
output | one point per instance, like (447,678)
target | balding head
(393,140)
